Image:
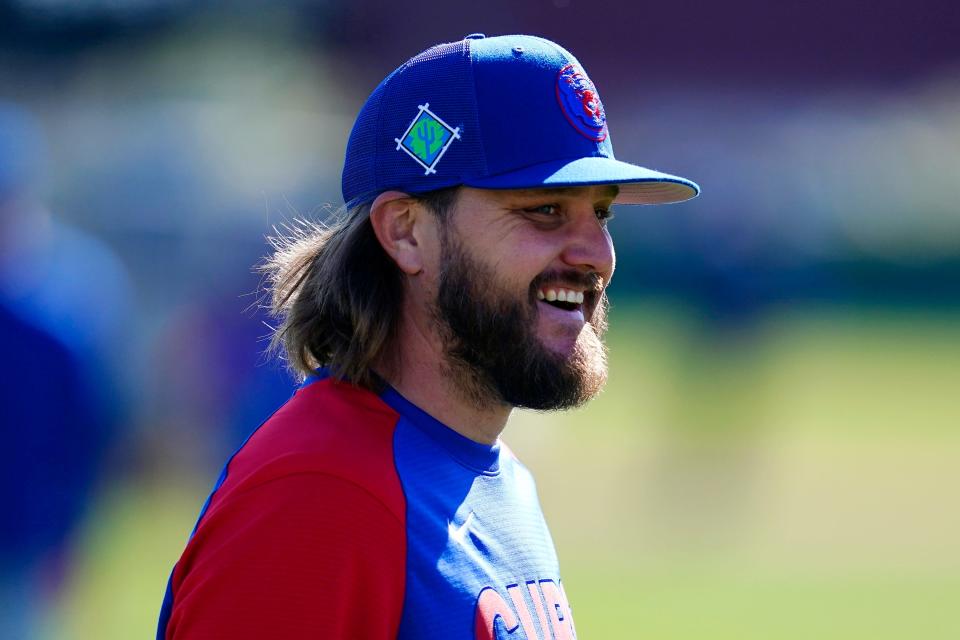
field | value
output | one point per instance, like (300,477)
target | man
(466,278)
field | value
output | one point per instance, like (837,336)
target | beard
(491,347)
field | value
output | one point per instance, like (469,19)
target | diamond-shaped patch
(427,138)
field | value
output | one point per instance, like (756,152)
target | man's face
(520,301)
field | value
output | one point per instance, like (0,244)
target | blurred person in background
(466,277)
(50,432)
(63,302)
(57,274)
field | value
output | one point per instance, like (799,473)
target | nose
(589,246)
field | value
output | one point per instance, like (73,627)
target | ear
(393,215)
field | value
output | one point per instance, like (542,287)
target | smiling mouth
(566,299)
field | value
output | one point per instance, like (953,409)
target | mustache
(591,281)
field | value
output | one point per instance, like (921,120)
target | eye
(604,215)
(545,210)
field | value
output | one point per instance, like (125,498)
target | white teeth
(560,295)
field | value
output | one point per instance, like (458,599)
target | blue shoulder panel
(480,559)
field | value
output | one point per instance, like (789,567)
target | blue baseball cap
(506,112)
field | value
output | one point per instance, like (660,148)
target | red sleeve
(307,555)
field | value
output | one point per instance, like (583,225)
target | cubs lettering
(550,618)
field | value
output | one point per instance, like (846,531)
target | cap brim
(638,185)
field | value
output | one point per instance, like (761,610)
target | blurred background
(777,454)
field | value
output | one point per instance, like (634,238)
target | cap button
(475,36)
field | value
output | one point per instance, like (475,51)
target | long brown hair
(336,293)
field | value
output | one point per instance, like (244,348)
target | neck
(421,376)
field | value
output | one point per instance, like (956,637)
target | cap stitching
(476,108)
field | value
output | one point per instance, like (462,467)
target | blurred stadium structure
(778,452)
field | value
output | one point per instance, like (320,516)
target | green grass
(680,602)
